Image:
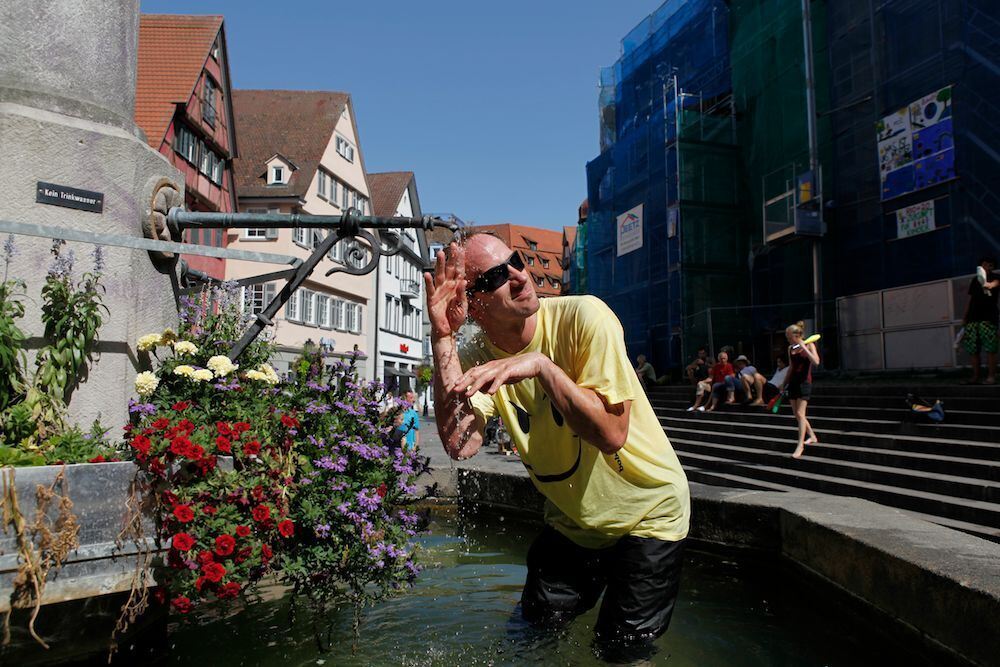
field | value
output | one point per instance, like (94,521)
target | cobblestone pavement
(442,465)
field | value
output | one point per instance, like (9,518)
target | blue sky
(492,104)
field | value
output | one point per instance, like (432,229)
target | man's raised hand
(447,305)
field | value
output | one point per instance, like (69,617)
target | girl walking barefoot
(801,358)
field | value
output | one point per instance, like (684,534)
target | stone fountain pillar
(67,99)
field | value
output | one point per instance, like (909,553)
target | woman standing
(801,358)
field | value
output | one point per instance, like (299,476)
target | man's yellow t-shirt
(592,498)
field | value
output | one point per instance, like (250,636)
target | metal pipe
(180,219)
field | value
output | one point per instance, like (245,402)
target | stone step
(987,470)
(715,478)
(753,450)
(898,412)
(951,431)
(788,431)
(888,392)
(960,509)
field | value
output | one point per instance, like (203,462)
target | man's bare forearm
(458,426)
(605,427)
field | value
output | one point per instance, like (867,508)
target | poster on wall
(916,219)
(630,230)
(916,147)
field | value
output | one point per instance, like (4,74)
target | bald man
(557,371)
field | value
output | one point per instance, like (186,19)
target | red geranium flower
(266,553)
(205,557)
(286,528)
(97,459)
(161,423)
(200,582)
(224,445)
(181,604)
(206,464)
(257,492)
(223,428)
(261,513)
(183,513)
(213,571)
(210,510)
(289,422)
(229,590)
(381,490)
(180,446)
(141,444)
(185,425)
(157,468)
(170,497)
(251,448)
(224,545)
(241,427)
(181,405)
(196,452)
(182,542)
(242,531)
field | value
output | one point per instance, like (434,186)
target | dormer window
(532,245)
(545,263)
(276,175)
(531,261)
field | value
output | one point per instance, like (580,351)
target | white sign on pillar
(630,230)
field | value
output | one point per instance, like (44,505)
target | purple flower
(322,530)
(134,407)
(62,265)
(8,248)
(315,408)
(98,256)
(368,499)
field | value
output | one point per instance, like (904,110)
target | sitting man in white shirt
(771,388)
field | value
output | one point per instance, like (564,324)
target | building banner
(916,145)
(630,230)
(916,219)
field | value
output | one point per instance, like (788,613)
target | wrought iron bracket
(350,226)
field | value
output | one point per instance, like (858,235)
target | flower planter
(97,567)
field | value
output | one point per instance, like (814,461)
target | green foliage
(32,411)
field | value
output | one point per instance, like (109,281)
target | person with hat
(749,383)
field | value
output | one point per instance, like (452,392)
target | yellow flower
(202,375)
(146,383)
(272,376)
(257,375)
(184,370)
(221,365)
(168,336)
(148,342)
(185,347)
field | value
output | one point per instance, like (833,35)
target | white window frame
(292,307)
(337,312)
(345,197)
(323,311)
(321,179)
(344,147)
(300,237)
(333,192)
(276,174)
(308,307)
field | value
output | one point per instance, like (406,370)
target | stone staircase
(869,448)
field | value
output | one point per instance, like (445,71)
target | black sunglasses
(495,278)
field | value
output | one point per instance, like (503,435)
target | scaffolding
(667,142)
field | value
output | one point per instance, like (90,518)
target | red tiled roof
(387,189)
(173,49)
(297,124)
